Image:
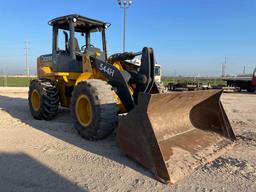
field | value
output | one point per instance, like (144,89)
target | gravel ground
(50,156)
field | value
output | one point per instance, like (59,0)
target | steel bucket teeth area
(172,134)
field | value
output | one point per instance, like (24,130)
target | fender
(84,76)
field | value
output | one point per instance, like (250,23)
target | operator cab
(76,40)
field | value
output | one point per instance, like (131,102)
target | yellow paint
(65,101)
(73,75)
(131,90)
(35,100)
(61,74)
(84,111)
(98,75)
(65,79)
(119,103)
(46,70)
(118,66)
(67,76)
(83,77)
(87,67)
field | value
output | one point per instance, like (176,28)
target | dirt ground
(50,156)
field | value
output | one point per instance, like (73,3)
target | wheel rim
(84,110)
(35,100)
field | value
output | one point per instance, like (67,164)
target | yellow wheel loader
(170,134)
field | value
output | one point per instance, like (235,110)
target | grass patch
(190,80)
(15,81)
(24,81)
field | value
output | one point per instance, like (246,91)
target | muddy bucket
(173,134)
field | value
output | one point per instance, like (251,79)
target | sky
(189,37)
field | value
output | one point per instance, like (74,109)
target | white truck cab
(158,71)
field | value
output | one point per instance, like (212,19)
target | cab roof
(83,24)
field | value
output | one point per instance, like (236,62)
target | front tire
(43,99)
(94,109)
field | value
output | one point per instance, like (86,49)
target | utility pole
(26,56)
(124,4)
(224,67)
(5,78)
(174,77)
(198,76)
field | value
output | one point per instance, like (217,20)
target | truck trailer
(241,82)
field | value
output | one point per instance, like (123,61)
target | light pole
(26,56)
(124,4)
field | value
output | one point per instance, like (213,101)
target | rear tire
(43,99)
(94,109)
(250,89)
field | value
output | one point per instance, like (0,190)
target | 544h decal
(106,69)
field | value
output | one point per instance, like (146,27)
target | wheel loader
(170,134)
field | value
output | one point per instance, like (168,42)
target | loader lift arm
(117,80)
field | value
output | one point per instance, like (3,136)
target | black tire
(103,106)
(48,104)
(250,89)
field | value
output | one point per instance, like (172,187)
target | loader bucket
(173,134)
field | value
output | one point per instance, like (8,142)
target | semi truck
(241,83)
